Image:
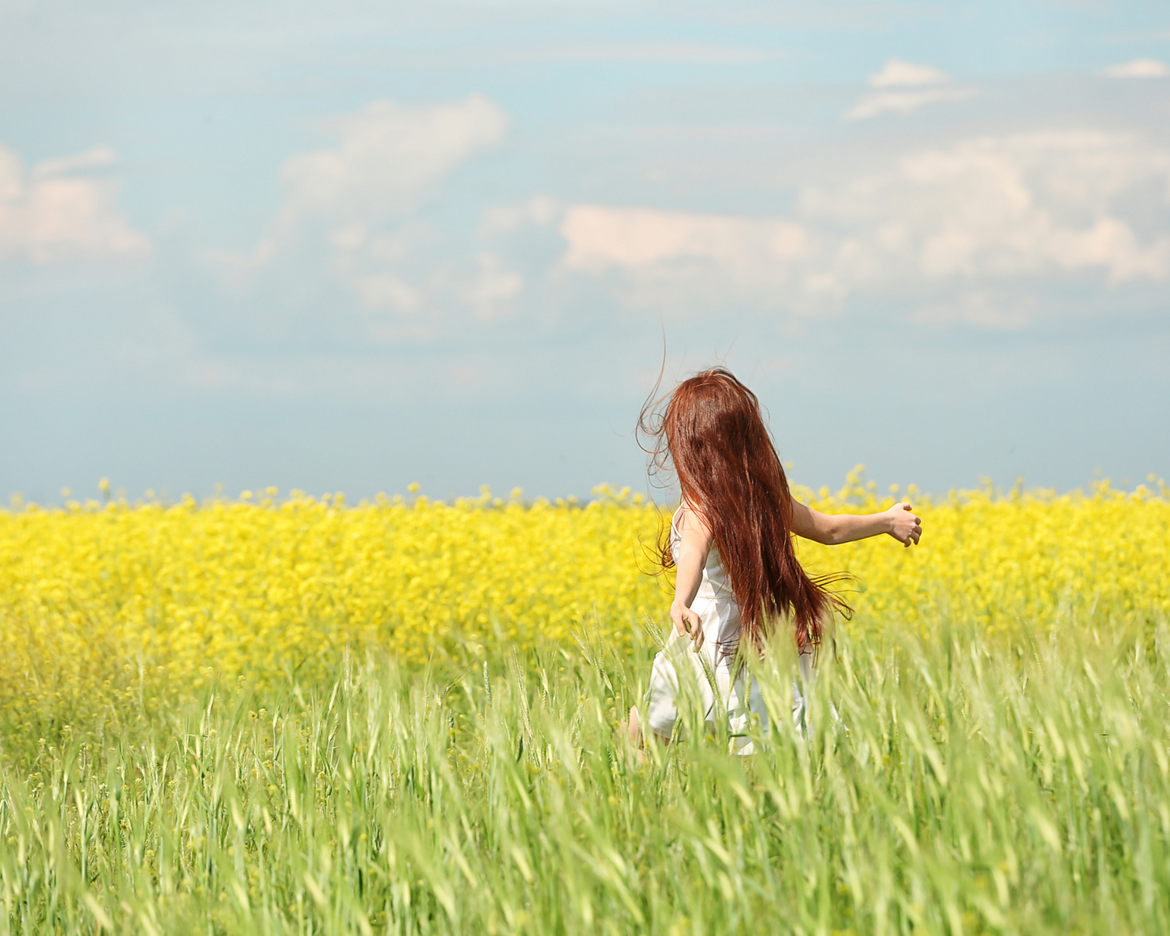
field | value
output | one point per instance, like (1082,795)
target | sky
(356,245)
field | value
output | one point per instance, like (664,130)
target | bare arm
(696,539)
(833,529)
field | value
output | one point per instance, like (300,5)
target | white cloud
(1139,68)
(385,289)
(493,289)
(388,158)
(98,156)
(996,208)
(599,236)
(540,211)
(899,74)
(361,195)
(52,215)
(682,261)
(970,229)
(914,86)
(904,102)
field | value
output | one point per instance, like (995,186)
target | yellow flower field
(98,601)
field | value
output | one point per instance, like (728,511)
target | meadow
(295,715)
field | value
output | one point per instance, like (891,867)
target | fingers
(693,625)
(688,622)
(914,534)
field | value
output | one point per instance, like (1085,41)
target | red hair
(712,433)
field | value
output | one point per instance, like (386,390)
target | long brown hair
(711,433)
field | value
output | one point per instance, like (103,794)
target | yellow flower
(98,600)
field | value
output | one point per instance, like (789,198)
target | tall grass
(955,786)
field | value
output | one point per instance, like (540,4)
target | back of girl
(737,577)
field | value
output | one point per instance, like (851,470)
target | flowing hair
(711,433)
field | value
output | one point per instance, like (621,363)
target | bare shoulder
(688,519)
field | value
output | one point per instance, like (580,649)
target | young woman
(730,542)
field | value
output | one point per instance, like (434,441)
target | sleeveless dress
(709,676)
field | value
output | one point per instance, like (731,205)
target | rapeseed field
(98,599)
(297,715)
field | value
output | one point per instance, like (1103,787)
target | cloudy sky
(348,246)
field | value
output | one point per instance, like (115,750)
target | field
(294,715)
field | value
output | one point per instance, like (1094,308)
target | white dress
(708,674)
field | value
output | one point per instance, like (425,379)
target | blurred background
(355,245)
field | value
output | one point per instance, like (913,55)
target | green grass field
(954,787)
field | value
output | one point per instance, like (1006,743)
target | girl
(730,542)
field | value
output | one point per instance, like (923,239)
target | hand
(687,622)
(904,526)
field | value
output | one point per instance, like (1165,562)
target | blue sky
(356,245)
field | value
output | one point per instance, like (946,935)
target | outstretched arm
(833,529)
